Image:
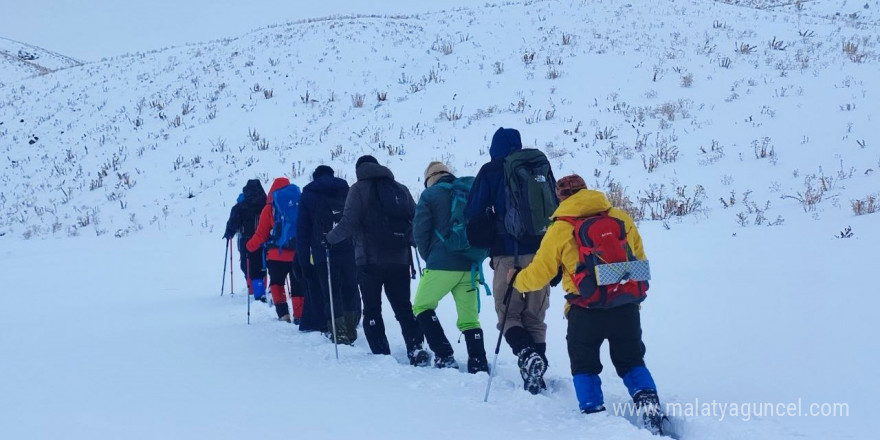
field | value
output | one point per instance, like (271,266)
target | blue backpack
(456,239)
(285,210)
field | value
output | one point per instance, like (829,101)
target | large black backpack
(328,211)
(530,193)
(389,224)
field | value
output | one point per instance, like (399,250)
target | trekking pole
(330,295)
(231,270)
(271,300)
(223,283)
(419,263)
(249,296)
(507,294)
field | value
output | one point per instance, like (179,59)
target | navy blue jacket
(488,192)
(308,239)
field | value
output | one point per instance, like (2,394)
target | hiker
(280,253)
(243,218)
(378,217)
(439,216)
(595,315)
(321,208)
(513,243)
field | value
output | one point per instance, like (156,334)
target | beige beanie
(435,171)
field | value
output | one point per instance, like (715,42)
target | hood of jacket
(446,178)
(279,183)
(253,192)
(370,170)
(326,184)
(583,203)
(504,142)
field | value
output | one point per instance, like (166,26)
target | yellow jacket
(558,248)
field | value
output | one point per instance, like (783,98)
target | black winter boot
(374,331)
(531,368)
(282,310)
(433,331)
(476,351)
(341,331)
(351,323)
(541,348)
(418,356)
(648,408)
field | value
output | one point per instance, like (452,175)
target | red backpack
(608,274)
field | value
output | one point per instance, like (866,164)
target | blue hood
(504,142)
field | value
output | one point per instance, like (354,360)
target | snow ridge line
(70,60)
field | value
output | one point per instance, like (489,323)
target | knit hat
(568,185)
(435,171)
(321,171)
(365,159)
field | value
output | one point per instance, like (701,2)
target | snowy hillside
(743,135)
(672,101)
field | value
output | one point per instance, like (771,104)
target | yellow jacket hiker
(589,327)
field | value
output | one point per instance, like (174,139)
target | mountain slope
(653,97)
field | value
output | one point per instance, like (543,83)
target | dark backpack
(608,274)
(390,226)
(285,209)
(530,198)
(456,238)
(328,212)
(250,218)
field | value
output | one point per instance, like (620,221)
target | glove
(557,279)
(324,241)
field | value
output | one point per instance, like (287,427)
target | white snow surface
(118,176)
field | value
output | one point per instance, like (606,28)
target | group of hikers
(536,231)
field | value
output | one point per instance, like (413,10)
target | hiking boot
(478,365)
(476,351)
(434,336)
(351,323)
(648,409)
(595,410)
(285,318)
(341,332)
(297,321)
(531,368)
(445,362)
(262,299)
(418,357)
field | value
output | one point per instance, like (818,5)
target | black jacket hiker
(243,219)
(379,265)
(321,206)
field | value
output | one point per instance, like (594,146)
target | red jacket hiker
(267,222)
(279,261)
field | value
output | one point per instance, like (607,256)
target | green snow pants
(435,284)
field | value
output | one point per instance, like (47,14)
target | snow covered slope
(672,101)
(708,121)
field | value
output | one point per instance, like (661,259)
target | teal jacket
(432,214)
